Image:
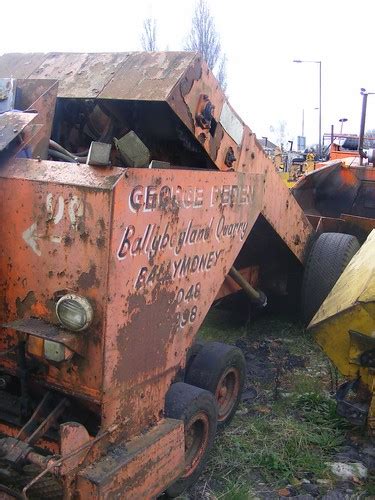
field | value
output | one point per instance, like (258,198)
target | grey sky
(260,39)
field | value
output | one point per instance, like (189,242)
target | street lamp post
(320,100)
(342,121)
(364,95)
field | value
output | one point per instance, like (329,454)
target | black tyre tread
(179,403)
(193,352)
(208,365)
(328,258)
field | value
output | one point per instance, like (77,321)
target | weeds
(271,444)
(278,448)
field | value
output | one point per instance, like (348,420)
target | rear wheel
(197,409)
(220,369)
(328,258)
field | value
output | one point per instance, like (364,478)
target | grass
(278,449)
(285,435)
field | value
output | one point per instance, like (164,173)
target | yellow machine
(344,326)
(297,169)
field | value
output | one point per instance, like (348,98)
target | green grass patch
(273,443)
(279,448)
(222,326)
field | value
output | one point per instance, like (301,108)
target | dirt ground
(286,434)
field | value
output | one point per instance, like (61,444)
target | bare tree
(222,73)
(204,38)
(148,37)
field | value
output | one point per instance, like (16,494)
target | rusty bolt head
(230,158)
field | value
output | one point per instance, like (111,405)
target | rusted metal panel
(185,100)
(147,76)
(45,443)
(143,468)
(98,178)
(338,189)
(135,75)
(48,331)
(229,286)
(365,223)
(231,135)
(20,65)
(149,249)
(181,79)
(73,437)
(80,75)
(56,239)
(12,123)
(175,235)
(39,96)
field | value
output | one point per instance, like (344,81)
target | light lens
(74,312)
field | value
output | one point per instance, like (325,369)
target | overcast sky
(260,39)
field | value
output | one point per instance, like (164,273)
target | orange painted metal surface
(149,248)
(46,444)
(56,239)
(138,243)
(179,79)
(229,286)
(174,238)
(141,469)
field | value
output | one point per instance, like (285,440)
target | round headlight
(74,312)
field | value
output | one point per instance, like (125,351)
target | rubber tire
(182,402)
(328,258)
(210,364)
(193,352)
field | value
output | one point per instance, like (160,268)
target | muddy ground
(286,434)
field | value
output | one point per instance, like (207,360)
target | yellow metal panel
(356,284)
(333,336)
(349,306)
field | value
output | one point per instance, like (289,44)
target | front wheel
(198,410)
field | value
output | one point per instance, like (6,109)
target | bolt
(3,382)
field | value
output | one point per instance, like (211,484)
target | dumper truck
(132,198)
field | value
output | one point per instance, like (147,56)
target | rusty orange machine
(132,197)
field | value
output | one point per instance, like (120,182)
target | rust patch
(88,280)
(297,239)
(143,342)
(25,304)
(101,224)
(194,72)
(84,236)
(100,242)
(68,241)
(216,141)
